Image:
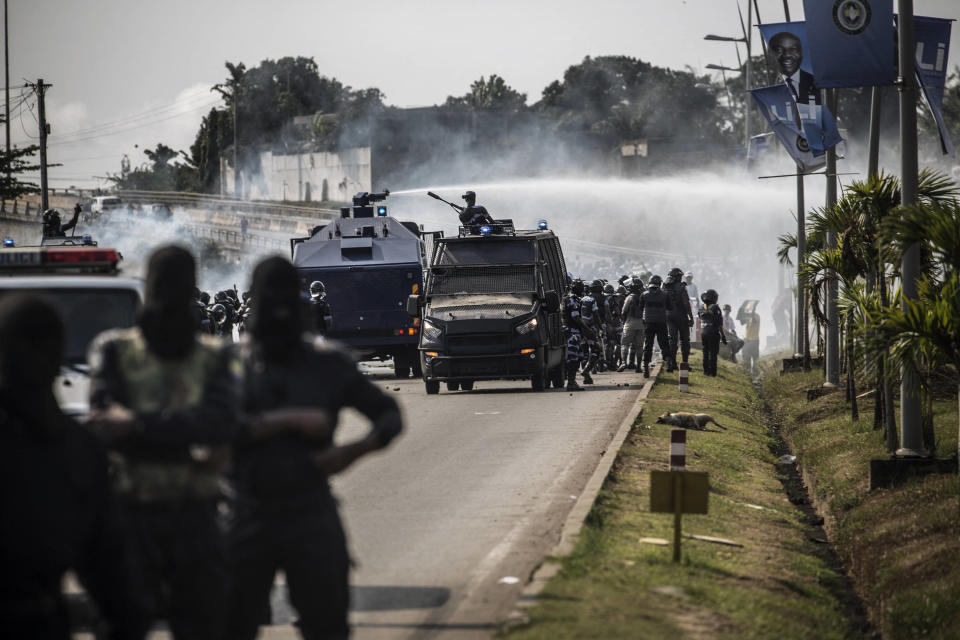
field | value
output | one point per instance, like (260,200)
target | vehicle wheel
(556,376)
(432,386)
(453,386)
(538,381)
(401,365)
(467,386)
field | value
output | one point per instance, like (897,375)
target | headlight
(431,332)
(527,327)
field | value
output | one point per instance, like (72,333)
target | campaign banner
(787,42)
(933,49)
(850,42)
(777,105)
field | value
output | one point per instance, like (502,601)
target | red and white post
(684,377)
(678,449)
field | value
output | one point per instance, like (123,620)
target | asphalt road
(447,524)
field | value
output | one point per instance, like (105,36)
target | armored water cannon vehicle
(490,308)
(369,263)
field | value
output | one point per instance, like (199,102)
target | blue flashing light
(542,224)
(381,211)
(8,242)
(485,230)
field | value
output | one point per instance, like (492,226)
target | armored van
(491,308)
(369,263)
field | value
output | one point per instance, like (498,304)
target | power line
(63,143)
(207,100)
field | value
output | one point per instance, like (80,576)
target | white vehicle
(84,284)
(105,203)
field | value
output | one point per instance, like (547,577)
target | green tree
(492,93)
(12,165)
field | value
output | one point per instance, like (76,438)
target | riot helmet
(219,312)
(317,289)
(470,197)
(709,296)
(675,274)
(204,297)
(51,217)
(608,289)
(596,286)
(656,281)
(577,287)
(635,285)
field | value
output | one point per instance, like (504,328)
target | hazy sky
(138,72)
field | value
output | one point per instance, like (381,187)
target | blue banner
(778,106)
(933,49)
(851,42)
(786,43)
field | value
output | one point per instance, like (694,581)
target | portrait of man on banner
(788,48)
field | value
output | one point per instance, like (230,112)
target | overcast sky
(139,72)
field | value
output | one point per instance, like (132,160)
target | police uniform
(631,343)
(655,304)
(711,334)
(576,348)
(322,314)
(284,516)
(591,315)
(679,319)
(167,487)
(474,215)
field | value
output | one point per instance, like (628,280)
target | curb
(570,532)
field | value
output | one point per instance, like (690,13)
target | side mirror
(413,305)
(551,301)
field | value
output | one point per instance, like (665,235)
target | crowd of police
(201,471)
(228,313)
(615,327)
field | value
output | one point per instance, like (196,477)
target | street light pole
(911,432)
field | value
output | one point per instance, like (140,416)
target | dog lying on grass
(689,420)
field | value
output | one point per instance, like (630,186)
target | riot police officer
(711,322)
(51,223)
(576,332)
(473,214)
(631,343)
(655,304)
(322,315)
(613,303)
(592,317)
(679,319)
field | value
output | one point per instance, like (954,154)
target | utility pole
(833,328)
(801,319)
(6,80)
(41,88)
(236,141)
(911,432)
(746,102)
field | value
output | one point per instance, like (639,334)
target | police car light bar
(53,258)
(485,230)
(542,224)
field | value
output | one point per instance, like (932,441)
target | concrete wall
(310,176)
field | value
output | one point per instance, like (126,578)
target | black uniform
(284,516)
(55,507)
(711,333)
(322,314)
(679,320)
(473,215)
(655,306)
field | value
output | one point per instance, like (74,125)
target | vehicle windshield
(86,313)
(487,251)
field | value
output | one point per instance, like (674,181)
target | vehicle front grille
(482,280)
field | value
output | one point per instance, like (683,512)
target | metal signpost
(678,491)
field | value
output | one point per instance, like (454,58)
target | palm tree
(923,334)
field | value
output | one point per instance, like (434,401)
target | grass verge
(779,584)
(902,545)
